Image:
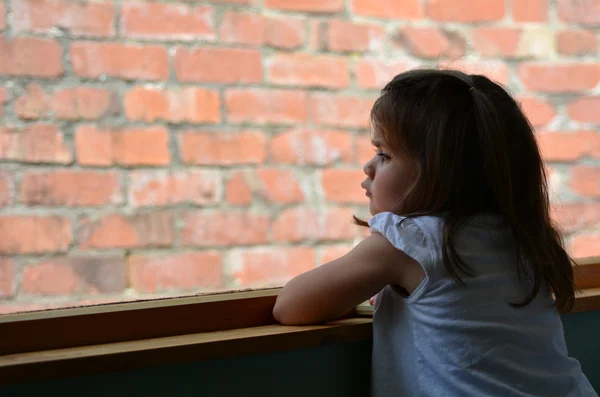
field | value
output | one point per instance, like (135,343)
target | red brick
(585,245)
(235,65)
(94,147)
(466,10)
(375,74)
(349,36)
(496,41)
(306,70)
(238,191)
(224,229)
(272,267)
(223,147)
(584,12)
(243,28)
(88,103)
(252,29)
(568,146)
(513,42)
(556,78)
(585,180)
(34,234)
(430,42)
(148,146)
(266,106)
(269,184)
(585,109)
(388,9)
(132,146)
(81,19)
(341,111)
(127,61)
(317,39)
(188,104)
(279,186)
(315,6)
(306,224)
(142,230)
(285,32)
(152,188)
(33,104)
(36,143)
(167,21)
(494,70)
(537,111)
(364,149)
(79,274)
(231,1)
(577,42)
(572,217)
(29,56)
(70,188)
(343,186)
(70,103)
(530,10)
(308,146)
(7,189)
(8,283)
(176,271)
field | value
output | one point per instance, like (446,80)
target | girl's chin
(372,209)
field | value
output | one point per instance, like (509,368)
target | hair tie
(471,89)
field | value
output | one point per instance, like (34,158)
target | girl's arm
(329,291)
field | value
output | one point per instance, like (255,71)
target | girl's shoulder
(422,237)
(420,229)
(418,237)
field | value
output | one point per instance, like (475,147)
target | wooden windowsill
(85,360)
(136,354)
(111,337)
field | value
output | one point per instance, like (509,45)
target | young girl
(468,270)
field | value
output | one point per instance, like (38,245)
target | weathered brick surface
(157,148)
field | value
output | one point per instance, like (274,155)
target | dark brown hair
(475,153)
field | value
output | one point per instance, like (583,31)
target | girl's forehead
(376,138)
(376,142)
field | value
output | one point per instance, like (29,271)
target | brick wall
(161,148)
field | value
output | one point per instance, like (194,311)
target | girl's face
(388,179)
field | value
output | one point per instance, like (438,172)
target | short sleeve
(406,235)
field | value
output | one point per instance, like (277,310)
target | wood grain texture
(177,349)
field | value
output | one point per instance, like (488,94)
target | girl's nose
(368,168)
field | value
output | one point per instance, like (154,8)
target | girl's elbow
(282,314)
(286,314)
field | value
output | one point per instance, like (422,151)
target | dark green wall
(582,332)
(328,371)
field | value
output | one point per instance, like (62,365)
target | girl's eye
(384,157)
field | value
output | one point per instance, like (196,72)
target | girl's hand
(372,301)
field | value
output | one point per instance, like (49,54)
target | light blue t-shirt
(461,341)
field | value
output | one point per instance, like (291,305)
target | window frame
(82,340)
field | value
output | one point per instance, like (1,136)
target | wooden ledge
(587,300)
(85,360)
(119,336)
